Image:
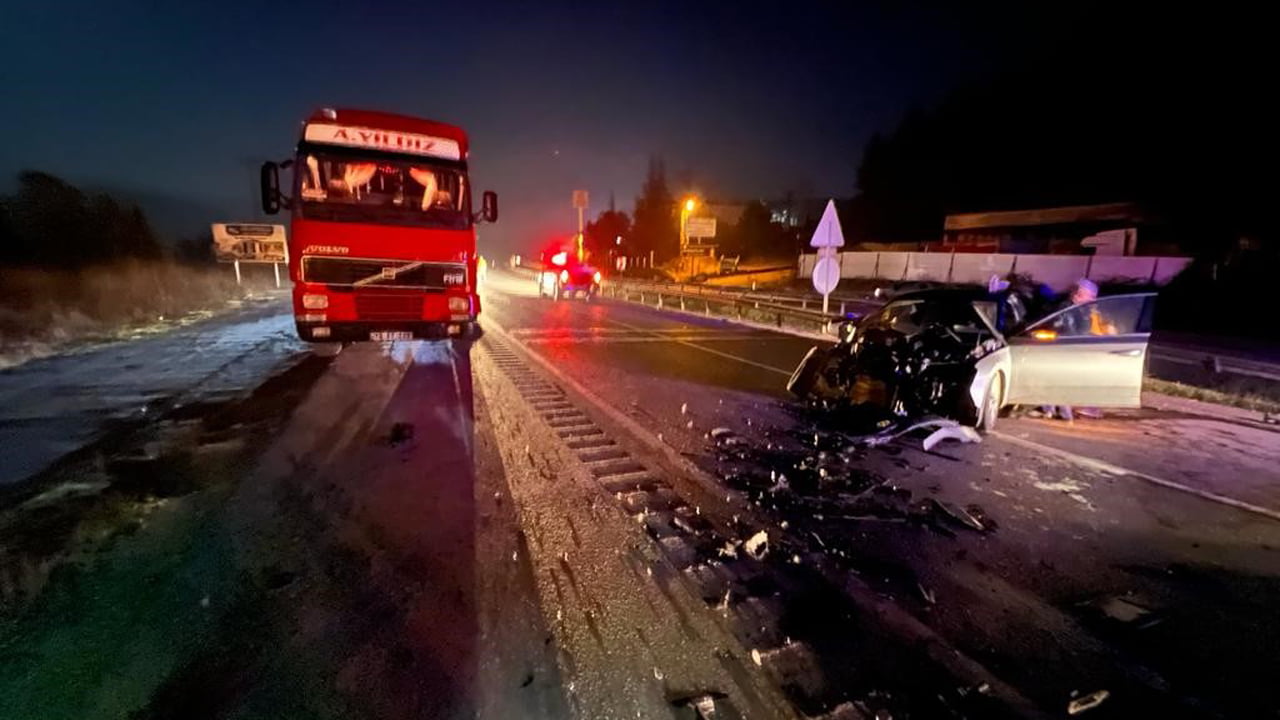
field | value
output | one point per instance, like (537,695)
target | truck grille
(361,272)
(382,306)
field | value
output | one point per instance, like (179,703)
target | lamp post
(686,209)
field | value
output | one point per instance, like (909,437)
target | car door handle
(1127,353)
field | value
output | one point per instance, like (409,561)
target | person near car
(1085,291)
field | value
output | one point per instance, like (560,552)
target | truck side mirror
(270,179)
(489,206)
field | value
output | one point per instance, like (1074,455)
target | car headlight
(596,277)
(315,302)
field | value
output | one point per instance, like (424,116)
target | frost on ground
(45,312)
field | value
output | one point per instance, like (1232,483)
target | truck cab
(382,242)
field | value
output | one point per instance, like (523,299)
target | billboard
(700,227)
(249,243)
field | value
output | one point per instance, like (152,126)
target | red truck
(382,241)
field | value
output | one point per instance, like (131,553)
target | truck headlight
(315,302)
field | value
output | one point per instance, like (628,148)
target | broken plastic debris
(514,556)
(657,674)
(659,437)
(757,546)
(929,596)
(684,408)
(795,559)
(784,524)
(961,433)
(730,549)
(959,514)
(689,425)
(1088,702)
(756,658)
(717,433)
(204,601)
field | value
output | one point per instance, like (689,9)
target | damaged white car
(967,354)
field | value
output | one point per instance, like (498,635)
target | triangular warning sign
(828,233)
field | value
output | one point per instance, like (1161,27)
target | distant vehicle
(967,353)
(382,243)
(564,277)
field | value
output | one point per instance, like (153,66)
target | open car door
(1092,354)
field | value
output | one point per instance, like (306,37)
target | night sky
(177,104)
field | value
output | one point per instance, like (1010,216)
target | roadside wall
(1057,271)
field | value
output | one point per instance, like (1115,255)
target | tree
(656,227)
(604,231)
(757,234)
(50,222)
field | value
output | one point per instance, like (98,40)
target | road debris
(1088,702)
(401,432)
(929,596)
(960,515)
(684,408)
(757,546)
(756,657)
(960,433)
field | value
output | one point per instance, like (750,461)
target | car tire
(991,403)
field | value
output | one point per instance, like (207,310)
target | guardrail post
(779,319)
(708,308)
(659,301)
(682,302)
(804,303)
(842,313)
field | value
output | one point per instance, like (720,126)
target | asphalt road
(1137,553)
(601,510)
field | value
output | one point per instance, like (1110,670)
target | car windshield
(374,189)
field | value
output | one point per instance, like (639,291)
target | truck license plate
(386,336)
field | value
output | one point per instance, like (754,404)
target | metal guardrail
(839,305)
(764,308)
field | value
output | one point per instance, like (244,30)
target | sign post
(580,202)
(827,237)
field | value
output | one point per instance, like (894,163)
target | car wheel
(990,410)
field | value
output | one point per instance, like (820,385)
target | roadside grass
(1257,398)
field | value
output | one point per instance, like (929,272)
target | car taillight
(315,302)
(459,305)
(564,276)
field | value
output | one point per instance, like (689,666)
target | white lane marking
(1106,467)
(725,355)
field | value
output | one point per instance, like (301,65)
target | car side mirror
(270,181)
(489,206)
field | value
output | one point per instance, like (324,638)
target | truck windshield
(377,190)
